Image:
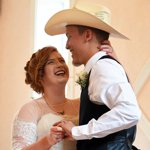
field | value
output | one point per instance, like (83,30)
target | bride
(46,73)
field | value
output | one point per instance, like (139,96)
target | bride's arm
(24,131)
(44,144)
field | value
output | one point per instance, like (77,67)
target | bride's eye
(62,61)
(50,62)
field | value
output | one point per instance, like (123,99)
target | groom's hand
(67,127)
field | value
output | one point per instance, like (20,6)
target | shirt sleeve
(109,86)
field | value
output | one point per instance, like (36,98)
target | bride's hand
(55,135)
(106,47)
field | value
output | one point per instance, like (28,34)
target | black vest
(121,140)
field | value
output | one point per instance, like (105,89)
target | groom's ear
(88,35)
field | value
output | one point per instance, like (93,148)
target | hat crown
(99,11)
(104,16)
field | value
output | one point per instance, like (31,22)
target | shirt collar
(91,62)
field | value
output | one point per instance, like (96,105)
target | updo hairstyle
(35,68)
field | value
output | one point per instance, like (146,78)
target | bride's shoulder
(32,104)
(75,102)
(28,111)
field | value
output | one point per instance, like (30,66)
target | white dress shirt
(108,85)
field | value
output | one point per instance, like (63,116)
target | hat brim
(58,22)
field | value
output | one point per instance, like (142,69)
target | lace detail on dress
(24,134)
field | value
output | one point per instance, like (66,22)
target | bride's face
(55,71)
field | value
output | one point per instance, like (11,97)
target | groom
(108,109)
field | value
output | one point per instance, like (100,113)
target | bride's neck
(55,95)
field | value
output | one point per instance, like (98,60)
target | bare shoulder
(75,102)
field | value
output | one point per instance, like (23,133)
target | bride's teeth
(60,72)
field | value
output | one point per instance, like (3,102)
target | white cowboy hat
(90,15)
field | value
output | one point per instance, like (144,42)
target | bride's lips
(60,72)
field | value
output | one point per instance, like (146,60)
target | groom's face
(75,43)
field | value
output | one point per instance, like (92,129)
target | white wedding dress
(45,124)
(34,121)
